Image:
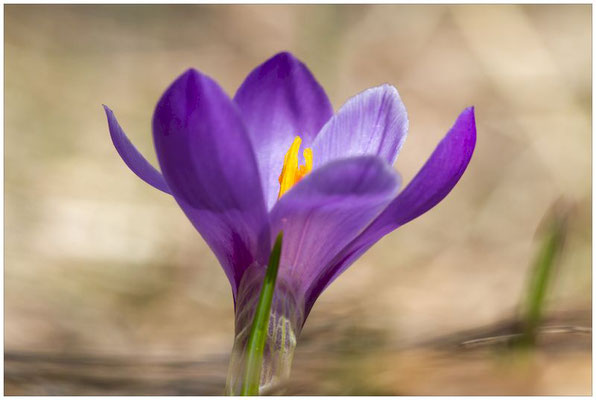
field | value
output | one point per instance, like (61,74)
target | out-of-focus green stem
(258,332)
(542,271)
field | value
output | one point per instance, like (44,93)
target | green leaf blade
(260,325)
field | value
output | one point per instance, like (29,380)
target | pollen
(291,172)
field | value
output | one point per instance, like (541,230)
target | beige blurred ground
(104,273)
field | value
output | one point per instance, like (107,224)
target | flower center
(291,172)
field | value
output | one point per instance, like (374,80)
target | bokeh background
(109,290)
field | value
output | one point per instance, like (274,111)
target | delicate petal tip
(195,77)
(468,115)
(283,63)
(373,122)
(191,71)
(283,57)
(272,72)
(467,119)
(186,80)
(464,128)
(181,101)
(397,115)
(439,175)
(131,156)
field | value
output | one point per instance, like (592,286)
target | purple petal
(208,162)
(326,210)
(279,100)
(433,182)
(131,156)
(373,122)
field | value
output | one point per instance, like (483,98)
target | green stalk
(260,325)
(542,272)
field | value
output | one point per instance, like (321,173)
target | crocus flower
(276,158)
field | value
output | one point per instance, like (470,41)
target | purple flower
(222,160)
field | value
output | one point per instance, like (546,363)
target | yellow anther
(291,172)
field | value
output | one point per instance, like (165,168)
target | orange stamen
(291,172)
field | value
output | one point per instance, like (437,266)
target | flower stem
(260,325)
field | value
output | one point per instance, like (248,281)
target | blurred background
(109,290)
